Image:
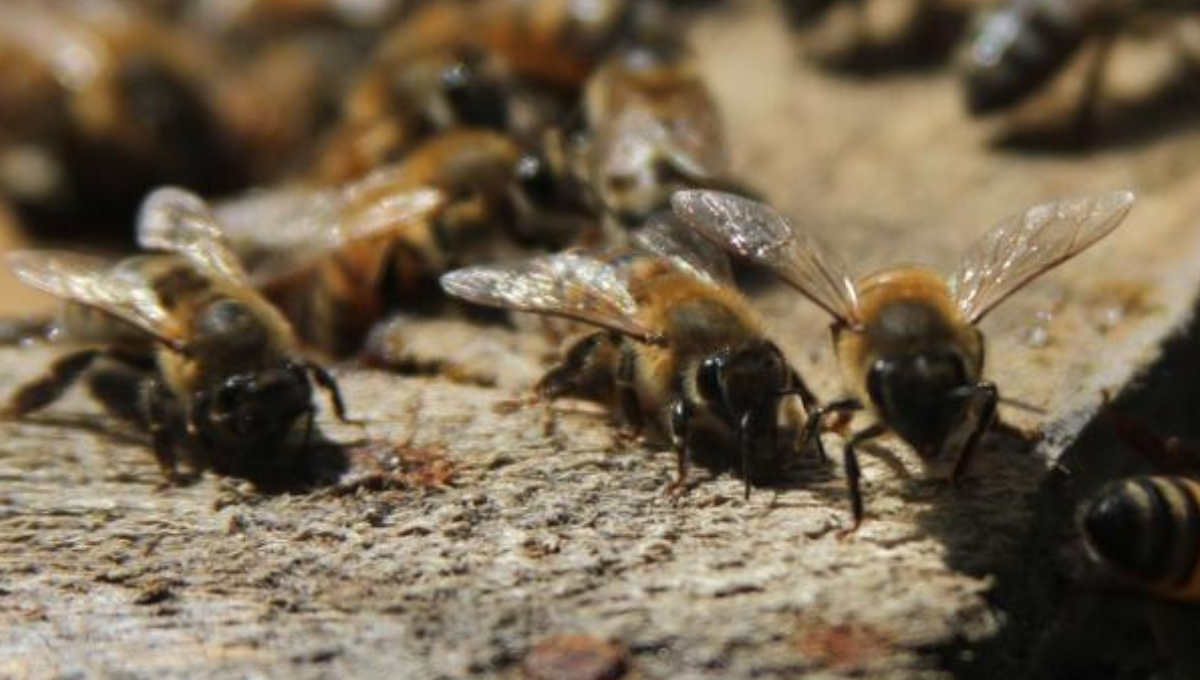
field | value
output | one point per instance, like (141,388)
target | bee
(906,338)
(179,344)
(336,260)
(1017,48)
(652,127)
(1145,532)
(680,352)
(507,65)
(113,101)
(869,36)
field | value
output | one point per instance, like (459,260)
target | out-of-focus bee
(1144,531)
(1019,47)
(878,35)
(652,127)
(462,64)
(180,344)
(118,100)
(906,337)
(392,106)
(336,260)
(680,350)
(266,19)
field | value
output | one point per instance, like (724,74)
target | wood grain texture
(493,535)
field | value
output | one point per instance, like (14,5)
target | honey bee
(508,65)
(906,338)
(652,127)
(180,344)
(1145,532)
(1020,46)
(867,36)
(111,98)
(336,260)
(679,350)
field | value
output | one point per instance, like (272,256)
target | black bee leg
(157,409)
(982,411)
(811,436)
(854,475)
(328,383)
(43,391)
(681,416)
(308,430)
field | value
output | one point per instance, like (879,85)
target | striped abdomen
(1146,529)
(1022,45)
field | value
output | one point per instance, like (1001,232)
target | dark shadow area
(1063,623)
(1169,109)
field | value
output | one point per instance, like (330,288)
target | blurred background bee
(99,101)
(651,126)
(877,36)
(680,352)
(507,65)
(337,260)
(1022,47)
(1142,533)
(181,345)
(906,337)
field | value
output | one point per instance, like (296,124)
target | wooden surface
(492,535)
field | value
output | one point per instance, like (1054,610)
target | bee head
(744,379)
(476,96)
(258,408)
(920,396)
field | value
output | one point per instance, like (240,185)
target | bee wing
(574,285)
(695,147)
(93,282)
(666,236)
(283,231)
(1024,246)
(178,221)
(758,233)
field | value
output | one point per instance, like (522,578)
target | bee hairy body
(179,343)
(911,332)
(334,301)
(1145,530)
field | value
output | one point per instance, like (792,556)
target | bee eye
(476,100)
(708,378)
(535,179)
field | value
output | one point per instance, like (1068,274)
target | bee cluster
(554,157)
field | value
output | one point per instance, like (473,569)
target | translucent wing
(758,233)
(666,236)
(178,221)
(96,283)
(1019,249)
(283,231)
(570,284)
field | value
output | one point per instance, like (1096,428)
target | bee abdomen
(1017,49)
(1147,529)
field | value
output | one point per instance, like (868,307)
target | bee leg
(157,406)
(43,391)
(631,408)
(811,436)
(854,475)
(328,383)
(681,416)
(985,395)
